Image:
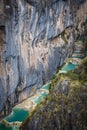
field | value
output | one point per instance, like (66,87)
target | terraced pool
(4,127)
(68,67)
(40,98)
(20,114)
(47,86)
(17,115)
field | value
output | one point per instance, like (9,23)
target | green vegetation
(66,106)
(82,71)
(72,76)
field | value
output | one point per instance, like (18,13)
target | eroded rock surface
(38,37)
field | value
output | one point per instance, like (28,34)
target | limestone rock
(34,44)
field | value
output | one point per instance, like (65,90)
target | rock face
(36,37)
(66,106)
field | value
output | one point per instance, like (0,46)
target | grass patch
(72,76)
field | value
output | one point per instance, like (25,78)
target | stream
(22,110)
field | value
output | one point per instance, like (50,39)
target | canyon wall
(36,37)
(66,106)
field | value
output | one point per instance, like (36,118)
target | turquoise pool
(69,67)
(44,94)
(80,57)
(39,99)
(47,86)
(4,127)
(17,115)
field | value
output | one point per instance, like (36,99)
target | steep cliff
(36,37)
(66,106)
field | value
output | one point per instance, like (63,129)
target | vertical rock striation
(37,37)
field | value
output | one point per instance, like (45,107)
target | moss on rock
(66,106)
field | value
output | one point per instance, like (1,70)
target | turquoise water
(17,115)
(80,57)
(47,86)
(77,52)
(69,67)
(39,99)
(4,127)
(44,94)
